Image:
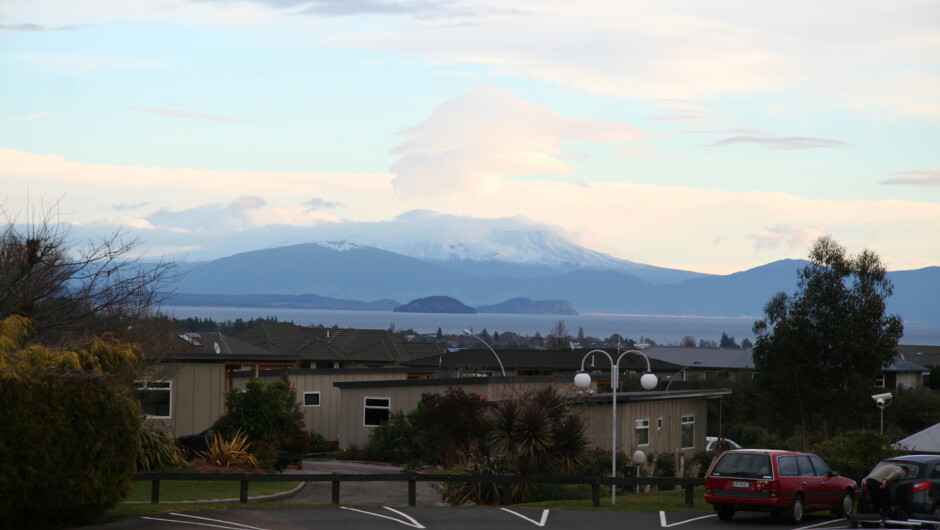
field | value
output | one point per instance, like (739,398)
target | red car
(785,483)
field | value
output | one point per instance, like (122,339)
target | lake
(662,329)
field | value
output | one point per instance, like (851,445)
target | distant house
(537,363)
(186,390)
(904,371)
(651,421)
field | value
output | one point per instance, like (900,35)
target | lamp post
(468,332)
(648,381)
(673,378)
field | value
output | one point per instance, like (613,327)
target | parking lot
(387,517)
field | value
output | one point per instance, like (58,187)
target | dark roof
(215,345)
(712,358)
(326,344)
(922,355)
(539,360)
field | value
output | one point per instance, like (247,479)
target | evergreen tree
(819,351)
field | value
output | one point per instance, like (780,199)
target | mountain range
(543,267)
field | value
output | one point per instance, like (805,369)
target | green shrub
(269,413)
(158,449)
(68,447)
(394,440)
(265,454)
(855,453)
(318,444)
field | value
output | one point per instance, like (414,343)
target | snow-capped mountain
(512,247)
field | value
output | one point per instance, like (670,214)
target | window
(376,411)
(642,432)
(154,397)
(311,399)
(880,380)
(659,423)
(820,467)
(688,432)
(788,466)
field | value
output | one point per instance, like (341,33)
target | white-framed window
(155,397)
(688,432)
(642,429)
(311,399)
(880,380)
(659,423)
(376,410)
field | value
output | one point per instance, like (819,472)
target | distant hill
(434,304)
(343,273)
(530,307)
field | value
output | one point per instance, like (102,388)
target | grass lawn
(198,490)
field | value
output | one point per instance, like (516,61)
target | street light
(673,378)
(468,332)
(648,381)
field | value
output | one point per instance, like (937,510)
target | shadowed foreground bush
(68,447)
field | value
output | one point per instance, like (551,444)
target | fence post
(506,488)
(595,493)
(243,492)
(335,499)
(412,491)
(154,491)
(689,495)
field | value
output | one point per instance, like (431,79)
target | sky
(707,136)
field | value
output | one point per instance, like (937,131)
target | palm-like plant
(536,434)
(230,453)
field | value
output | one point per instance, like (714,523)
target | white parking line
(412,523)
(540,523)
(663,524)
(818,524)
(193,523)
(216,521)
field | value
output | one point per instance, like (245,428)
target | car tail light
(865,485)
(919,486)
(770,486)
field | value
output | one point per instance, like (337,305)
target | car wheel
(795,512)
(845,507)
(725,511)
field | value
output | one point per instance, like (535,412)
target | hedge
(67,447)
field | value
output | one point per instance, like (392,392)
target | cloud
(471,143)
(792,237)
(792,142)
(929,178)
(35,27)
(126,206)
(321,204)
(684,111)
(33,116)
(714,231)
(190,115)
(241,213)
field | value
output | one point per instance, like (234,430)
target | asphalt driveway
(359,493)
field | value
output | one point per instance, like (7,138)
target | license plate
(740,484)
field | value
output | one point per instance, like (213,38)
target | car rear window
(751,465)
(916,470)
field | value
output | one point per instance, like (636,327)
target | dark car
(191,444)
(785,483)
(918,493)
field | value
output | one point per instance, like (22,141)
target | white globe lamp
(582,380)
(649,381)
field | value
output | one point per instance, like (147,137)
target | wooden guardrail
(504,481)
